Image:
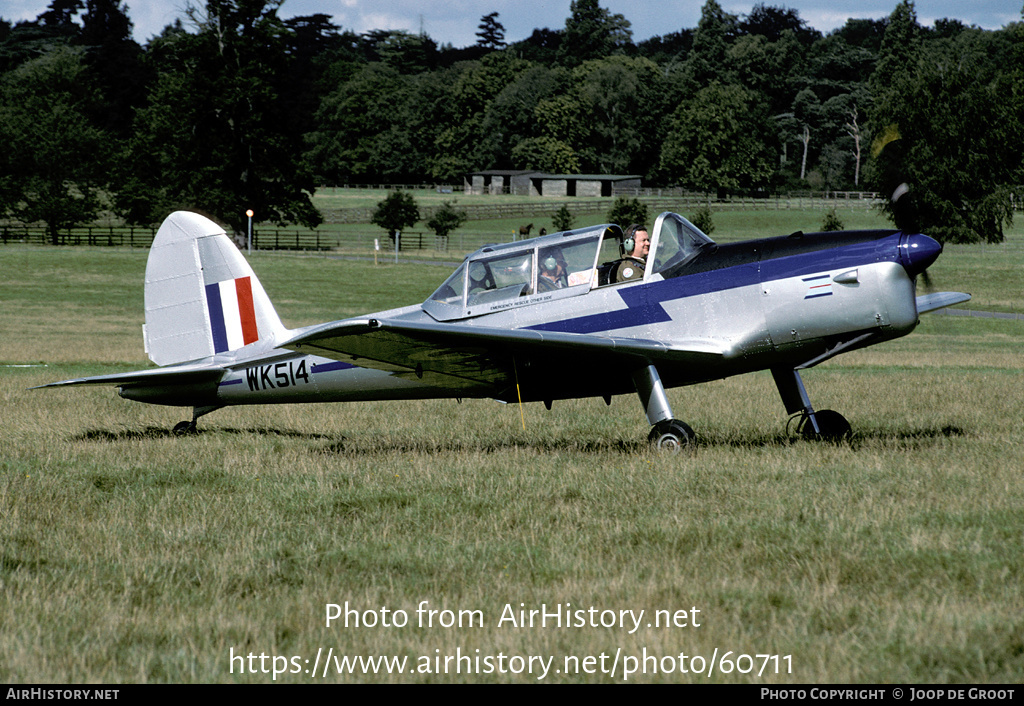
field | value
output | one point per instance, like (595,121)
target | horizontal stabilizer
(940,300)
(174,375)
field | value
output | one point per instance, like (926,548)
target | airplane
(499,327)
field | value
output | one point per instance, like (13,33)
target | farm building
(531,183)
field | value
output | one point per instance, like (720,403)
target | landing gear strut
(667,434)
(826,425)
(184,428)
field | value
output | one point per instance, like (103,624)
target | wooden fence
(123,236)
(657,200)
(270,238)
(263,238)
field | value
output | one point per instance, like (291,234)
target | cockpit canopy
(502,277)
(674,243)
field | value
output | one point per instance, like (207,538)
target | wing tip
(940,300)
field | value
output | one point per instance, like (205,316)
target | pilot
(635,247)
(479,278)
(552,271)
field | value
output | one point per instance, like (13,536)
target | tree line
(237,108)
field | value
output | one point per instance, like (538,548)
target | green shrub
(831,221)
(563,218)
(626,211)
(702,219)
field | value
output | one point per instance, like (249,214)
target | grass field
(130,555)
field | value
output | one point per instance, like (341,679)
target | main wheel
(183,428)
(831,424)
(671,435)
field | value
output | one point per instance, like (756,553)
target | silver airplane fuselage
(811,292)
(536,320)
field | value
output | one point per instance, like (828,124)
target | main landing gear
(826,425)
(184,428)
(667,434)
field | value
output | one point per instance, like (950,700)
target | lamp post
(248,244)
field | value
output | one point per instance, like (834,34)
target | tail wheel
(671,435)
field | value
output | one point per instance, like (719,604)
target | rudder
(202,297)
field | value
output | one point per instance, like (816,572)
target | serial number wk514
(269,377)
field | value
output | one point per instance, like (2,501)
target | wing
(491,361)
(171,375)
(940,300)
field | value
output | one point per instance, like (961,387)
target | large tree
(546,154)
(511,118)
(772,22)
(592,32)
(349,123)
(60,14)
(461,140)
(115,63)
(396,212)
(53,167)
(619,103)
(706,62)
(491,34)
(216,134)
(944,126)
(721,140)
(901,48)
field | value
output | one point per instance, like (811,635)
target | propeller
(921,251)
(903,211)
(926,282)
(918,251)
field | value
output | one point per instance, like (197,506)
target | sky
(456,22)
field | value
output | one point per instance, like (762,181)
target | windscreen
(677,241)
(451,291)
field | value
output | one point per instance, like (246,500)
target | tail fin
(202,297)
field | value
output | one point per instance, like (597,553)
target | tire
(671,435)
(184,428)
(833,427)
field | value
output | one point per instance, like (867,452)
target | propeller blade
(926,281)
(903,211)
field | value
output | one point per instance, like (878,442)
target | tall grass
(130,555)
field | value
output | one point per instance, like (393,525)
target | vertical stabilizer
(201,295)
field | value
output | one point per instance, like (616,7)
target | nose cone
(918,252)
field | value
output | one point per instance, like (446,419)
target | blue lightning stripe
(607,321)
(644,302)
(329,367)
(216,308)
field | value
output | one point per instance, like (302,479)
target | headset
(630,239)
